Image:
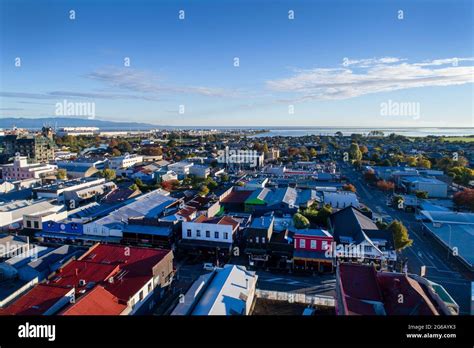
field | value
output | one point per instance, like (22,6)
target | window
(198,233)
(149,287)
(367,248)
(313,244)
(28,224)
(140,296)
(208,234)
(302,243)
(189,233)
(226,235)
(257,239)
(216,235)
(263,240)
(324,245)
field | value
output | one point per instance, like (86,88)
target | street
(424,250)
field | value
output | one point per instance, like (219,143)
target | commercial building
(130,281)
(312,250)
(224,291)
(12,213)
(37,147)
(454,231)
(358,238)
(150,205)
(361,290)
(76,131)
(125,161)
(20,169)
(434,187)
(82,167)
(215,234)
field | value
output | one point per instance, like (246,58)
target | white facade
(200,171)
(207,232)
(56,191)
(20,169)
(125,161)
(13,212)
(35,221)
(181,168)
(75,131)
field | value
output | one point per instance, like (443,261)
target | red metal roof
(362,286)
(97,302)
(237,197)
(37,301)
(135,266)
(130,267)
(77,270)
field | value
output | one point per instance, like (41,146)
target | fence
(294,297)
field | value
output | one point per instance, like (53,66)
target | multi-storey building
(37,147)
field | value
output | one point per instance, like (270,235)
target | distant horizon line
(254,127)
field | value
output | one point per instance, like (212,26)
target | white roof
(223,296)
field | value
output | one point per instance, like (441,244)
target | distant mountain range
(37,123)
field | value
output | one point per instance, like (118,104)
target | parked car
(208,266)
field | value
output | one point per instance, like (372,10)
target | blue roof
(151,230)
(312,232)
(262,222)
(413,179)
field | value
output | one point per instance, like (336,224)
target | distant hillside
(36,123)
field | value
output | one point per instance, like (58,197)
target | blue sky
(334,64)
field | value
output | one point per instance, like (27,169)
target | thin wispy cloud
(54,95)
(147,83)
(373,76)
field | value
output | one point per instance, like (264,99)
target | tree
(461,175)
(224,177)
(400,235)
(170,185)
(354,152)
(386,163)
(311,214)
(300,221)
(323,215)
(424,163)
(422,194)
(349,187)
(152,151)
(411,160)
(116,152)
(61,174)
(464,198)
(108,174)
(124,146)
(370,175)
(139,182)
(363,149)
(204,191)
(385,185)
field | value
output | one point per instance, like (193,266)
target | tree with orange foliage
(465,198)
(385,185)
